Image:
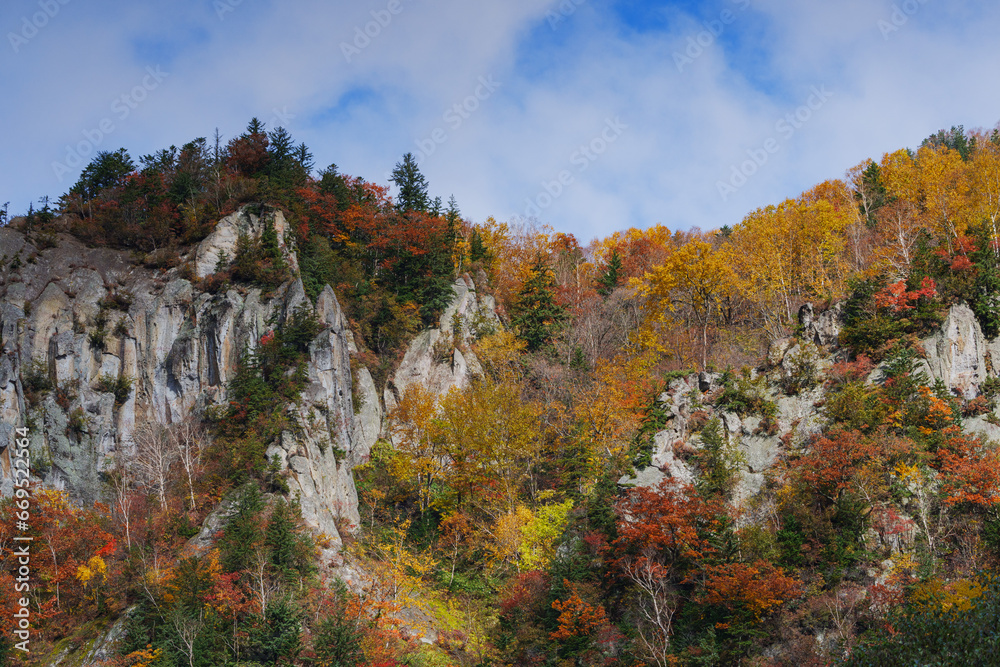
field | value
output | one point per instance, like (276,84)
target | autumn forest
(653,453)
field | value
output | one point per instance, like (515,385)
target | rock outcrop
(442,358)
(94,345)
(687,406)
(957,354)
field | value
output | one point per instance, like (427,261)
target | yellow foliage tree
(695,279)
(419,458)
(985,186)
(783,255)
(492,442)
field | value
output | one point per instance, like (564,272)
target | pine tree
(719,462)
(412,186)
(452,214)
(106,170)
(284,168)
(304,157)
(536,316)
(281,538)
(612,275)
(254,127)
(242,531)
(477,249)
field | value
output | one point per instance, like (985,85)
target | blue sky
(590,115)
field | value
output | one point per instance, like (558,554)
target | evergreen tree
(242,531)
(331,182)
(719,462)
(612,275)
(956,139)
(412,185)
(280,147)
(284,168)
(872,178)
(278,636)
(536,316)
(304,157)
(477,249)
(254,127)
(986,291)
(452,214)
(106,170)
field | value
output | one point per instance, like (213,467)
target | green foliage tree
(935,633)
(107,169)
(956,139)
(411,184)
(720,462)
(536,315)
(609,280)
(278,635)
(243,529)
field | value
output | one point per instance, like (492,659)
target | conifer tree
(412,186)
(612,275)
(536,315)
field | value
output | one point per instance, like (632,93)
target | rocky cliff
(792,380)
(94,344)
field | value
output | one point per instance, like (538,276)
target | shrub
(260,261)
(35,381)
(98,339)
(77,422)
(720,461)
(746,396)
(116,300)
(164,258)
(120,386)
(934,632)
(804,372)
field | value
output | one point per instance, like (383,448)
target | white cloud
(686,129)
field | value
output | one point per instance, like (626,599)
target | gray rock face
(689,408)
(956,354)
(822,329)
(441,358)
(221,243)
(179,347)
(368,415)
